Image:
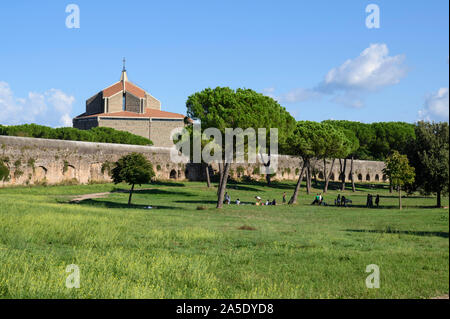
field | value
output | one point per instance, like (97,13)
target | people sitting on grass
(318,200)
(227,198)
(258,201)
(337,201)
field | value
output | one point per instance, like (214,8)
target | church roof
(124,86)
(149,113)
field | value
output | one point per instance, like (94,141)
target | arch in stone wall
(40,173)
(332,177)
(385,178)
(320,176)
(69,172)
(377,178)
(368,178)
(360,177)
(173,174)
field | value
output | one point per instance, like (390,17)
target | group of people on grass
(259,202)
(339,201)
(318,200)
(369,202)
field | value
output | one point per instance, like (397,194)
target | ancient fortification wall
(36,161)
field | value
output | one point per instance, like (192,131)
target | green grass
(178,251)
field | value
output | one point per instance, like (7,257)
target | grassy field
(178,251)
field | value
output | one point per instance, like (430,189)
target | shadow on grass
(196,201)
(168,183)
(406,232)
(109,204)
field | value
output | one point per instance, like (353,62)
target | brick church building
(125,106)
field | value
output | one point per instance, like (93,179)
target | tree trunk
(351,175)
(268,179)
(293,199)
(328,176)
(220,177)
(208,179)
(439,199)
(308,177)
(131,194)
(314,173)
(343,175)
(400,198)
(391,187)
(223,185)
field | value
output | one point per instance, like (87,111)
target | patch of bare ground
(245,227)
(441,297)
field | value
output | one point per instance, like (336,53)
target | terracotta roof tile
(129,87)
(133,89)
(113,89)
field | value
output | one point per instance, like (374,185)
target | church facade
(125,106)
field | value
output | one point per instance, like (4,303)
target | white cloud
(436,106)
(52,107)
(372,70)
(269,92)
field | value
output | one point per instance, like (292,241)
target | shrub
(96,134)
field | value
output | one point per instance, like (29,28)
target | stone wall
(151,102)
(132,103)
(86,123)
(115,103)
(95,104)
(160,130)
(137,126)
(35,161)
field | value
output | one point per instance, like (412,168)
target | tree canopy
(224,107)
(133,169)
(399,172)
(430,156)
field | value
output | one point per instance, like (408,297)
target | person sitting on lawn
(258,201)
(274,202)
(343,201)
(318,200)
(268,202)
(238,202)
(227,198)
(337,202)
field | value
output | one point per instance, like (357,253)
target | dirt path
(80,198)
(441,297)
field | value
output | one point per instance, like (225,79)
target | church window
(123,103)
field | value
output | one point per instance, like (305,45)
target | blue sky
(317,58)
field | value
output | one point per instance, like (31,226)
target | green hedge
(96,134)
